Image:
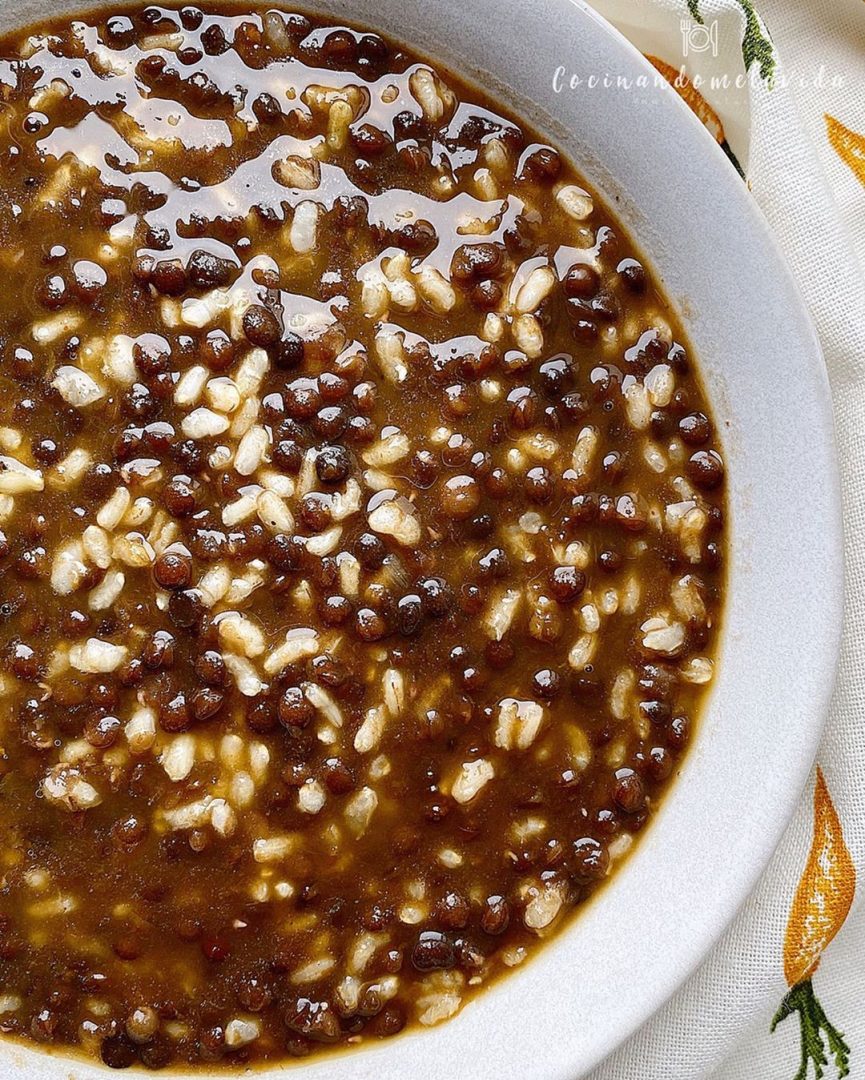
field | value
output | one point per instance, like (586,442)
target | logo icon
(699,37)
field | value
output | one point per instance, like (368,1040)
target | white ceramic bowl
(686,207)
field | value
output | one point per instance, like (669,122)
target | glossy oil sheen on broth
(362,537)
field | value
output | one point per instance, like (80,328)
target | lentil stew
(362,538)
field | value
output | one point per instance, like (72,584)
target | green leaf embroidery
(756,45)
(734,161)
(814,1024)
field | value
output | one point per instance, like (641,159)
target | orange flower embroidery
(692,97)
(849,146)
(820,906)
